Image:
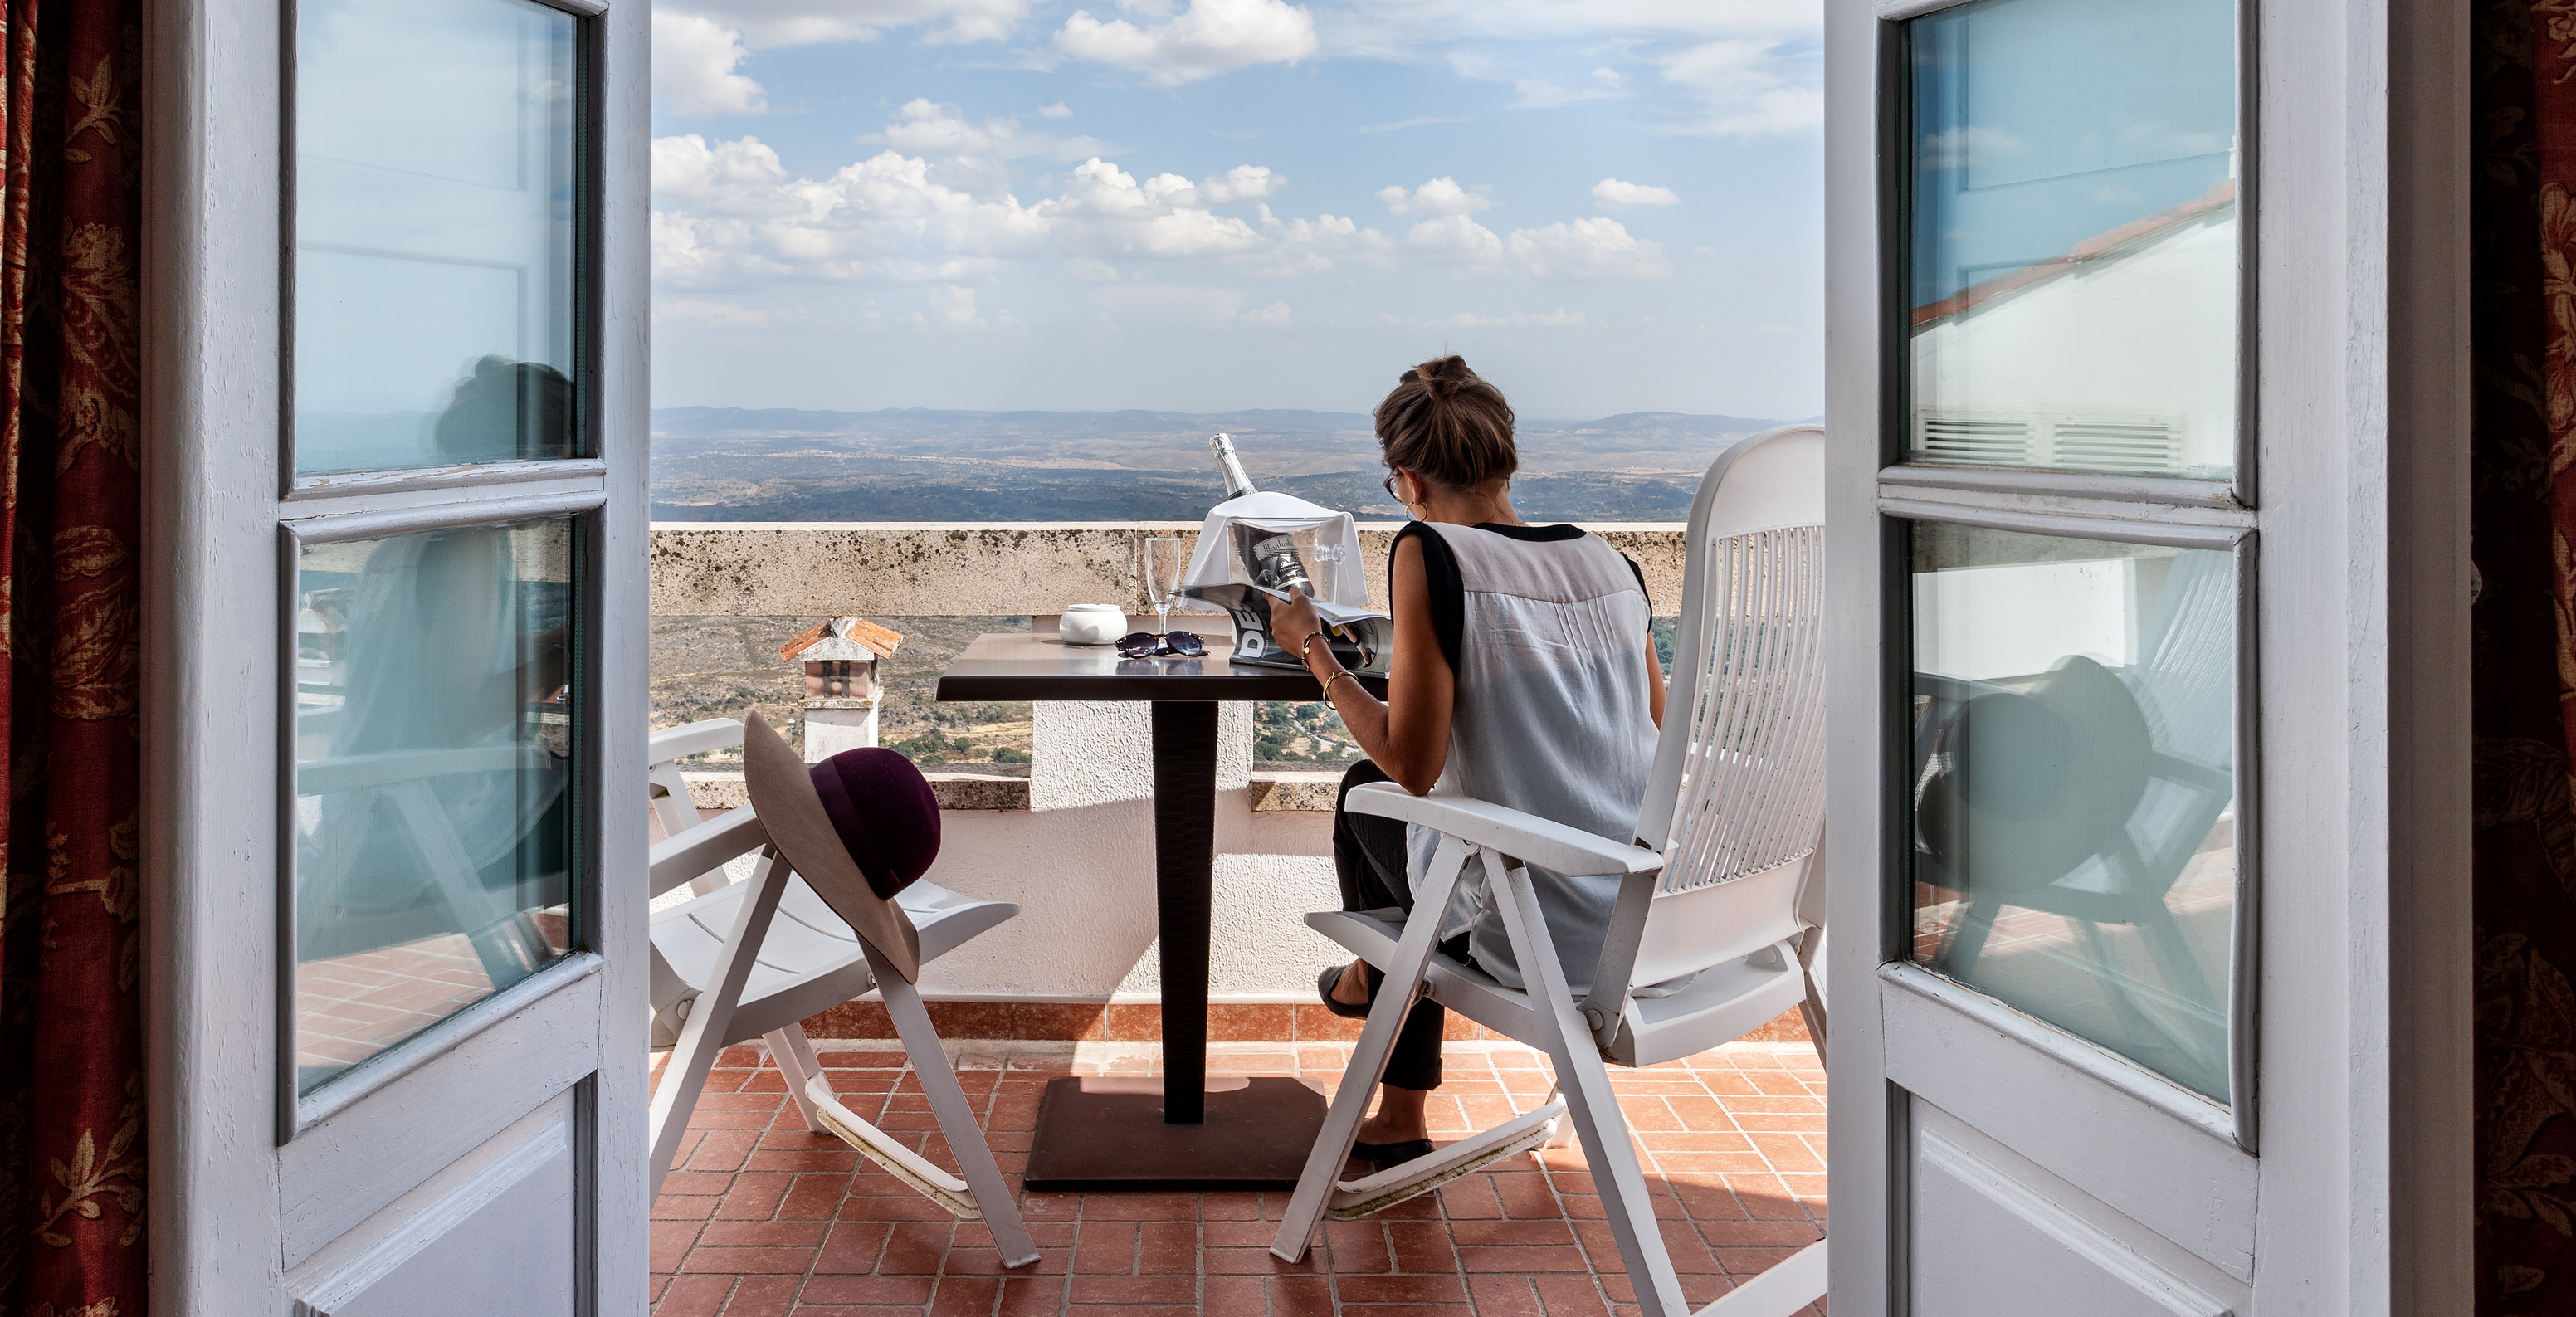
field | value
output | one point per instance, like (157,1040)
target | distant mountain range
(915,464)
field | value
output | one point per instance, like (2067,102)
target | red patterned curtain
(71,947)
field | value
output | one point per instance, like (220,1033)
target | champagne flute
(1162,578)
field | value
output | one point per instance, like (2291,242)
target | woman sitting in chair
(1524,674)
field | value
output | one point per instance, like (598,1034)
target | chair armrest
(693,739)
(676,860)
(1525,837)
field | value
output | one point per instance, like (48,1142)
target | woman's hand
(1293,623)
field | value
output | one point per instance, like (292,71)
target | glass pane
(2073,290)
(435,172)
(433,798)
(2074,711)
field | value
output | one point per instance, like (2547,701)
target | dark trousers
(1369,858)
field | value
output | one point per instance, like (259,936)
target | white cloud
(1106,212)
(1321,245)
(1240,184)
(1090,271)
(926,126)
(1586,249)
(1440,196)
(1749,87)
(1455,240)
(694,59)
(771,23)
(1274,315)
(728,212)
(1956,146)
(1610,77)
(1611,194)
(1211,37)
(1055,111)
(952,306)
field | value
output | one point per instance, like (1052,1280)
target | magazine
(1362,640)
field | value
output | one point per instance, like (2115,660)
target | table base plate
(1099,1132)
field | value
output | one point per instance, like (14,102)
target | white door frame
(222,1239)
(2360,374)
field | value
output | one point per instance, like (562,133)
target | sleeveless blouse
(1553,716)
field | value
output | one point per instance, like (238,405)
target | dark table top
(1024,665)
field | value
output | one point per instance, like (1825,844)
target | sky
(1208,205)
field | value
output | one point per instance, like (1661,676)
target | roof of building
(2102,246)
(841,638)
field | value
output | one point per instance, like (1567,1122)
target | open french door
(2148,817)
(396,475)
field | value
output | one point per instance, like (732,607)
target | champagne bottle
(1268,556)
(1237,484)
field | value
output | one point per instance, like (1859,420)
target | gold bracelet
(1305,652)
(1328,684)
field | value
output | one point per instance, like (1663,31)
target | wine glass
(1162,578)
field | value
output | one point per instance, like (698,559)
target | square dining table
(1181,1131)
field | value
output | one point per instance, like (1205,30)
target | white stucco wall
(1080,864)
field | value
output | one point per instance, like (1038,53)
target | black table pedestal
(1178,1132)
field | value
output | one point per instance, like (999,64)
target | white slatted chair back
(1736,799)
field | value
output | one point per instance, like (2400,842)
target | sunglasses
(1145,644)
(1389,485)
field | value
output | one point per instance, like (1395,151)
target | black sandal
(1384,1155)
(1331,978)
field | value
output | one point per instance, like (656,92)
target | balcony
(1048,806)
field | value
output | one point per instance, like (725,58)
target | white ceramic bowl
(1092,624)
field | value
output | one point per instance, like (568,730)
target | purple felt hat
(884,811)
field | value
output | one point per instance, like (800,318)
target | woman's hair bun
(1444,423)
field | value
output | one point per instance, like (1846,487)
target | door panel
(351,1164)
(494,1231)
(1981,1213)
(2041,1093)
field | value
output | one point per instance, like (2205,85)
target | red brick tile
(1105,1248)
(1505,1296)
(1399,1289)
(1522,1260)
(750,1261)
(763,1234)
(1026,1296)
(1421,1246)
(1166,1248)
(1254,1262)
(671,1241)
(694,1296)
(965,1296)
(764,1296)
(915,1248)
(753,1197)
(1135,1289)
(1301,1296)
(1358,1247)
(913,1290)
(852,1248)
(1571,1296)
(1140,1207)
(1232,1296)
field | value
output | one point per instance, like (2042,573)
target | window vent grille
(2143,445)
(2118,446)
(1987,442)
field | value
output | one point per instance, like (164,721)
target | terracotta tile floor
(761,1218)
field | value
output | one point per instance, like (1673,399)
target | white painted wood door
(2149,809)
(396,475)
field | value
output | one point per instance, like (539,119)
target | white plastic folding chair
(750,959)
(1715,931)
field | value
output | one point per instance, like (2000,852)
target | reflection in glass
(435,194)
(2072,236)
(2074,785)
(433,743)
